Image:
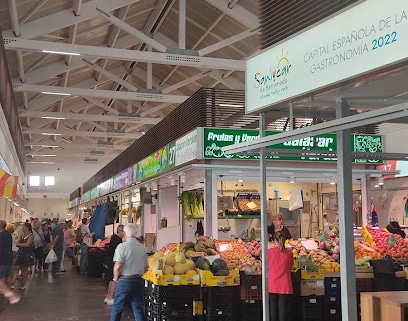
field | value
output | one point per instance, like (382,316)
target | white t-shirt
(133,257)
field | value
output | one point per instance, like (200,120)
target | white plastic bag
(296,199)
(51,257)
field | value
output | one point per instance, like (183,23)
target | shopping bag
(296,199)
(51,257)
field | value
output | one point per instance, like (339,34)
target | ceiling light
(61,52)
(55,93)
(230,105)
(50,117)
(332,181)
(45,155)
(49,146)
(380,180)
(50,134)
(292,180)
(240,180)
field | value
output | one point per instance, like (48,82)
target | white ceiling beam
(72,133)
(185,82)
(132,31)
(71,39)
(227,42)
(238,13)
(107,94)
(77,6)
(33,11)
(66,18)
(127,55)
(14,18)
(110,75)
(20,66)
(182,24)
(91,117)
(371,117)
(76,146)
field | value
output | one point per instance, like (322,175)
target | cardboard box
(311,287)
(209,279)
(305,275)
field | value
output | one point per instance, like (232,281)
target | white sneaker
(110,302)
(23,287)
(12,286)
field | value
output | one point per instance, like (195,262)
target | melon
(190,264)
(203,264)
(218,264)
(167,269)
(191,273)
(151,261)
(179,268)
(180,258)
(223,272)
(158,254)
(171,259)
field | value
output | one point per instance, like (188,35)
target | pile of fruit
(386,243)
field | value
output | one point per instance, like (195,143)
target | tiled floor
(60,298)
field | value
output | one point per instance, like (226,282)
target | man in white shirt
(86,242)
(130,264)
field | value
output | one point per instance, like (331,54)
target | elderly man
(130,264)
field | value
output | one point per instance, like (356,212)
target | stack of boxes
(250,297)
(332,296)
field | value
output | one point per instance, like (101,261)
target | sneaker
(110,302)
(57,273)
(23,287)
(12,287)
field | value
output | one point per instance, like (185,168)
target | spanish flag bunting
(9,189)
(3,177)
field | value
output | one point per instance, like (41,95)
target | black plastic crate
(250,287)
(219,312)
(250,310)
(219,295)
(312,308)
(179,310)
(183,294)
(332,312)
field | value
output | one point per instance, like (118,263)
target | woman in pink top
(280,263)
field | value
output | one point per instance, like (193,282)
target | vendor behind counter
(395,228)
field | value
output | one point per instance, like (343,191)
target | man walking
(58,246)
(130,264)
(86,242)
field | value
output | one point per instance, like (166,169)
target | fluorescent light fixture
(61,52)
(49,146)
(50,117)
(47,163)
(56,93)
(292,180)
(380,181)
(50,134)
(16,204)
(240,181)
(231,105)
(332,181)
(46,155)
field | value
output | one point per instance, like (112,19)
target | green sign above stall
(217,138)
(152,165)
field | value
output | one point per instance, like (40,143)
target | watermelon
(203,264)
(218,264)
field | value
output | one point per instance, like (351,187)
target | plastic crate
(250,310)
(251,287)
(218,312)
(332,312)
(177,310)
(222,296)
(312,308)
(180,294)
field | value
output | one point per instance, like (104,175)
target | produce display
(312,255)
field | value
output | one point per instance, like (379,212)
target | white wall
(48,207)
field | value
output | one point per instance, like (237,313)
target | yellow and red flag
(3,177)
(9,189)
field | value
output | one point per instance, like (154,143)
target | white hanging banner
(368,36)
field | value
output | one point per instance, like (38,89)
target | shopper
(280,263)
(115,240)
(6,259)
(25,255)
(130,264)
(69,239)
(86,242)
(38,246)
(327,226)
(395,228)
(57,245)
(47,241)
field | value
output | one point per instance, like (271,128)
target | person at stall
(86,242)
(280,263)
(276,226)
(395,228)
(327,226)
(130,264)
(115,240)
